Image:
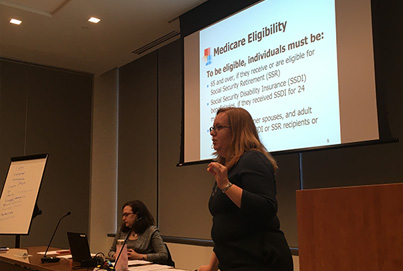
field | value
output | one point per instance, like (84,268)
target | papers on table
(134,265)
(138,262)
(50,252)
(61,253)
(55,252)
(150,267)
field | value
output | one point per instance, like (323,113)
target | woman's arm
(221,176)
(112,250)
(212,266)
(258,193)
(160,253)
(258,181)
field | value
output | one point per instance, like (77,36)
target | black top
(249,238)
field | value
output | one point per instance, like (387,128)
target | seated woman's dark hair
(144,217)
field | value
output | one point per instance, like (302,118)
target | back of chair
(169,262)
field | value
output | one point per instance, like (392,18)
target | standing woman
(246,231)
(145,241)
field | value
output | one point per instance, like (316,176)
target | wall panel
(184,191)
(13,103)
(137,170)
(47,110)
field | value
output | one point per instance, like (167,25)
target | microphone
(46,259)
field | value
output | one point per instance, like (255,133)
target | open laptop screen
(80,250)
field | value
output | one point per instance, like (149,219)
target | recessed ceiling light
(94,20)
(15,21)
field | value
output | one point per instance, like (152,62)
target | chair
(169,262)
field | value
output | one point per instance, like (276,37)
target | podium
(351,228)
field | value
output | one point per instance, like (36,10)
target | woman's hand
(220,174)
(204,268)
(133,255)
(221,177)
(212,266)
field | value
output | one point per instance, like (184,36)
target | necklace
(133,236)
(214,189)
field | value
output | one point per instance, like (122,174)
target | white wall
(103,200)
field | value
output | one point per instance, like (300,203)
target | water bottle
(122,262)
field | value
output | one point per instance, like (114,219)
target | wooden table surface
(16,259)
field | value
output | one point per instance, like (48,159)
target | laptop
(79,248)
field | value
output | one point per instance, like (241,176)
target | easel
(18,201)
(36,212)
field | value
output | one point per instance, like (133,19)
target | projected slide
(268,53)
(303,69)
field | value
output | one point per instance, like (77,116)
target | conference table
(28,258)
(18,259)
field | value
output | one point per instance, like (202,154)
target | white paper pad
(138,262)
(62,256)
(53,252)
(150,267)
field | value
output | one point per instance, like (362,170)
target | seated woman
(145,241)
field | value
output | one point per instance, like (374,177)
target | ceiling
(57,32)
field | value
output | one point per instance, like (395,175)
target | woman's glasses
(218,128)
